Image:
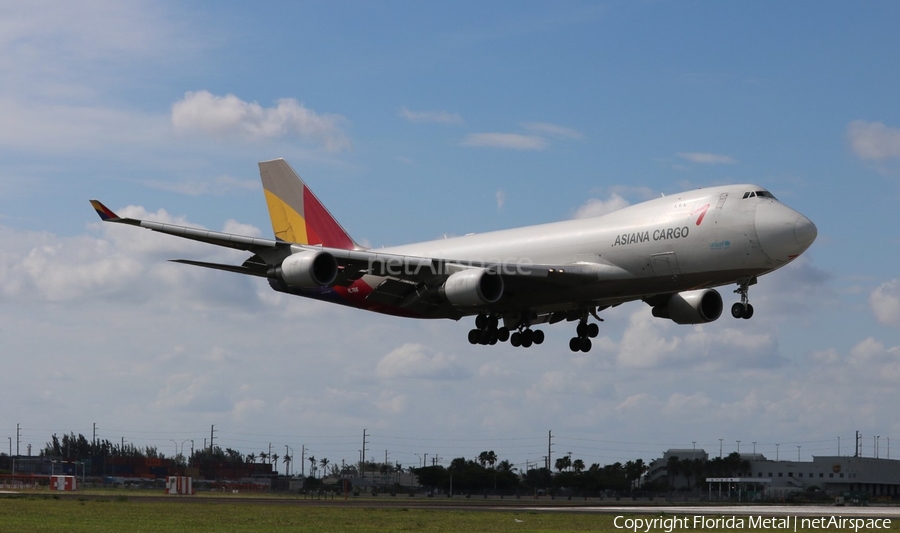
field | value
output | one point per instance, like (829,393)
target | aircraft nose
(782,232)
(805,232)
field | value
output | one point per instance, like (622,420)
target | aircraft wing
(356,263)
(239,242)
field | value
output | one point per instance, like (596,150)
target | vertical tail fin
(297,215)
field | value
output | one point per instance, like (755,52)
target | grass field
(26,513)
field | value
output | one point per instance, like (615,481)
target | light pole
(776,451)
(421,464)
(176,448)
(739,447)
(877,445)
(798,453)
(754,447)
(720,448)
(839,445)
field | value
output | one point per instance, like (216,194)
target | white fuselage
(702,238)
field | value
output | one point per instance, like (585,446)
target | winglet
(106,214)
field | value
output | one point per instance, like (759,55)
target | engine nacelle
(473,287)
(309,269)
(691,307)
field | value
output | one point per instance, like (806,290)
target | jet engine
(308,269)
(691,307)
(473,287)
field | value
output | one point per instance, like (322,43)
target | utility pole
(720,448)
(94,440)
(212,435)
(303,460)
(18,439)
(362,457)
(549,444)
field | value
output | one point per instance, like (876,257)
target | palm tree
(491,458)
(274,458)
(312,465)
(578,465)
(483,458)
(505,466)
(263,456)
(251,458)
(563,463)
(324,463)
(287,463)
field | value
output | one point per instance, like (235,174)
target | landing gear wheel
(740,310)
(593,330)
(585,345)
(474,336)
(516,339)
(526,341)
(575,344)
(582,329)
(538,336)
(481,321)
(503,334)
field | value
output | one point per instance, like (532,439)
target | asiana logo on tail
(657,235)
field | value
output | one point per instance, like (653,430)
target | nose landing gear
(743,309)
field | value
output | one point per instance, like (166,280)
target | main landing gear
(743,309)
(487,332)
(585,332)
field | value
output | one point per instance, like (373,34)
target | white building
(837,474)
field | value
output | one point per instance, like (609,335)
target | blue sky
(415,120)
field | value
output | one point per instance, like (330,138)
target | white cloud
(512,141)
(439,117)
(552,130)
(705,158)
(229,116)
(650,342)
(873,140)
(885,302)
(196,187)
(418,361)
(596,207)
(501,198)
(536,141)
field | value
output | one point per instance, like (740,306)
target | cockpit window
(758,194)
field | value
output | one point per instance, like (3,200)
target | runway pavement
(736,510)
